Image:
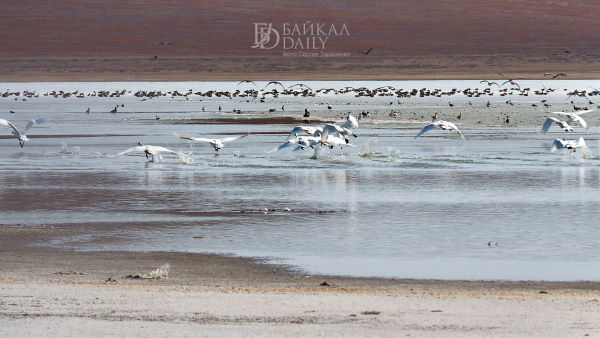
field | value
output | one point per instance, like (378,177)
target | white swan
(574,117)
(153,151)
(444,125)
(550,120)
(217,143)
(568,144)
(21,136)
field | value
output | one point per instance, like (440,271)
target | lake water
(499,205)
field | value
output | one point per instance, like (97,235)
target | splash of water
(185,159)
(64,149)
(366,150)
(393,153)
(315,154)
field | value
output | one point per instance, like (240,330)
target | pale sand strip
(62,308)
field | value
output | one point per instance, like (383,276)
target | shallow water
(391,206)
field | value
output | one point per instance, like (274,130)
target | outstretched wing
(454,127)
(302,129)
(548,123)
(159,149)
(334,129)
(556,145)
(286,144)
(198,139)
(426,129)
(239,83)
(576,118)
(301,85)
(585,111)
(275,82)
(32,122)
(9,124)
(131,150)
(351,122)
(229,139)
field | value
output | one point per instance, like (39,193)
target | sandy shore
(56,293)
(194,68)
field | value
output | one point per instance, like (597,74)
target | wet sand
(87,293)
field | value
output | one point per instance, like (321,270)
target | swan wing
(286,144)
(557,144)
(301,129)
(577,118)
(229,139)
(197,139)
(426,129)
(454,127)
(10,125)
(32,122)
(131,150)
(334,129)
(585,111)
(159,149)
(351,122)
(548,123)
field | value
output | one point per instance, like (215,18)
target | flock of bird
(277,88)
(567,126)
(330,135)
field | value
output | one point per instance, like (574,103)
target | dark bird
(246,81)
(555,75)
(490,83)
(367,51)
(301,85)
(509,80)
(275,82)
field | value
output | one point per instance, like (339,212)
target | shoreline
(77,293)
(22,260)
(71,293)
